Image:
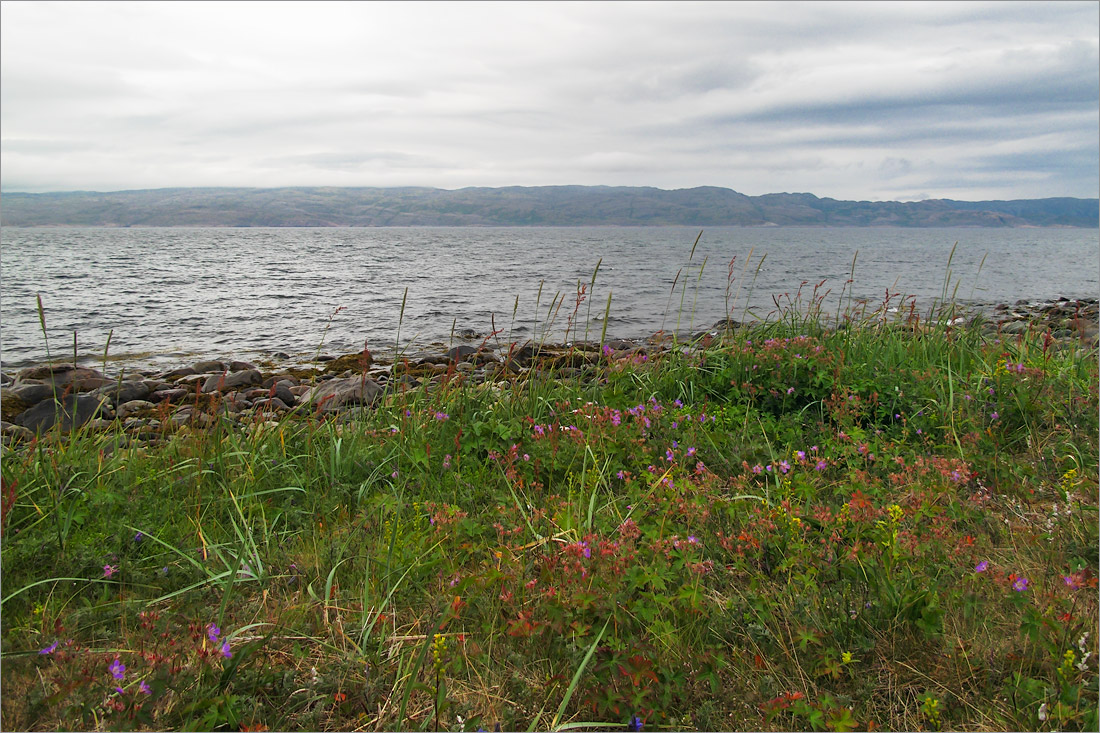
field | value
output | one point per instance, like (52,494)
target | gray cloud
(848,100)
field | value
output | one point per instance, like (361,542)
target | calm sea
(169,296)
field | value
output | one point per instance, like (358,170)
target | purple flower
(757,468)
(821,465)
(118,669)
(635,723)
(225,650)
(677,403)
(213,632)
(982,566)
(784,466)
(668,455)
(691,451)
(53,647)
(144,688)
(139,537)
(801,455)
(109,570)
(621,475)
(441,416)
(1019,585)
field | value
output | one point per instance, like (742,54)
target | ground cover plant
(881,525)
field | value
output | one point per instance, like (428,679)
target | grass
(792,526)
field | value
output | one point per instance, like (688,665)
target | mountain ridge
(564,205)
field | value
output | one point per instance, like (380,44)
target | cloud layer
(856,101)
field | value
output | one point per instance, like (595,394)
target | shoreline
(1058,313)
(149,401)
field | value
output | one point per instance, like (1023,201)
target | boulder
(58,375)
(126,409)
(241,366)
(337,393)
(32,394)
(209,366)
(70,411)
(460,352)
(169,395)
(124,392)
(177,373)
(223,382)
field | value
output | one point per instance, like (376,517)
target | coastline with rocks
(147,403)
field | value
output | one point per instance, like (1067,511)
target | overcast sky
(877,101)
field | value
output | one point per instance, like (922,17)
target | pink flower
(109,570)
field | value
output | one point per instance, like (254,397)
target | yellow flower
(846,657)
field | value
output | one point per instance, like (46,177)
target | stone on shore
(70,411)
(338,393)
(223,382)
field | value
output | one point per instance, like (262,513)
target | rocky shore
(150,404)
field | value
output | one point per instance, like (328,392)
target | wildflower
(1043,712)
(447,461)
(139,537)
(784,466)
(621,475)
(225,652)
(821,465)
(117,669)
(50,649)
(846,657)
(757,468)
(994,416)
(213,632)
(691,451)
(441,416)
(801,455)
(635,723)
(790,390)
(668,455)
(1019,585)
(677,403)
(982,566)
(144,688)
(109,570)
(692,539)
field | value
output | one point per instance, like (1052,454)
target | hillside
(518,206)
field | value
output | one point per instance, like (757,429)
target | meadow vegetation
(793,526)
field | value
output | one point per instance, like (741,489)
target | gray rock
(128,408)
(337,393)
(177,373)
(269,404)
(460,352)
(223,382)
(1015,327)
(169,395)
(32,394)
(70,411)
(15,431)
(58,374)
(124,392)
(208,366)
(241,366)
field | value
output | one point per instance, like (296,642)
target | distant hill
(518,206)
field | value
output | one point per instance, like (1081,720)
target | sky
(858,101)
